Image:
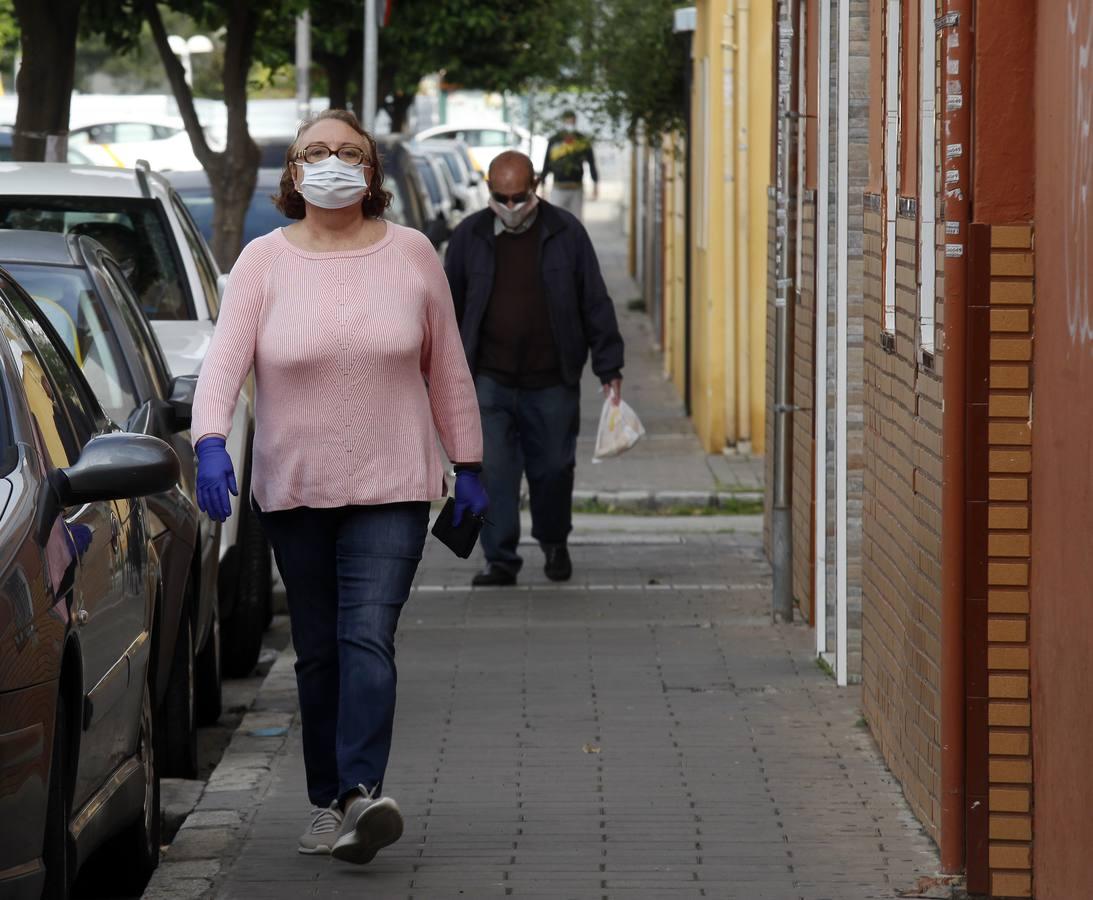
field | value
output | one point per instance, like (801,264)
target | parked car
(178,284)
(470,182)
(81,289)
(164,145)
(401,178)
(262,216)
(74,156)
(440,202)
(80,595)
(462,201)
(487,141)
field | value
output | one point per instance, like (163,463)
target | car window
(200,253)
(493,137)
(453,166)
(125,132)
(66,298)
(140,334)
(66,419)
(100,134)
(162,132)
(134,231)
(429,177)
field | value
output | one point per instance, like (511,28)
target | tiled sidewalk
(670,459)
(642,732)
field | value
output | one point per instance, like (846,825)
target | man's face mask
(515,216)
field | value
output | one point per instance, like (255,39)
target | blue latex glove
(470,496)
(215,477)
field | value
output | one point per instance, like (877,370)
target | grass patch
(824,667)
(636,305)
(730,507)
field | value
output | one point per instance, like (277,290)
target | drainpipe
(781,515)
(823,192)
(957,37)
(743,231)
(842,250)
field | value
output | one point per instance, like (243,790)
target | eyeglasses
(349,154)
(505,199)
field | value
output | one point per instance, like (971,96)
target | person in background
(566,156)
(532,306)
(347,320)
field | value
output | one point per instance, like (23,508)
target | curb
(213,834)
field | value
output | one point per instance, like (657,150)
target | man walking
(566,155)
(531,305)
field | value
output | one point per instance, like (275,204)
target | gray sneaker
(320,837)
(369,824)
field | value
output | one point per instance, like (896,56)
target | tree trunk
(398,109)
(233,173)
(232,180)
(337,78)
(44,83)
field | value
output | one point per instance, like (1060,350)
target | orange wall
(1062,521)
(1004,179)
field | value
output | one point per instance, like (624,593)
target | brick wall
(901,527)
(804,376)
(1008,465)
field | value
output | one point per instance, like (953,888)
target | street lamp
(184,48)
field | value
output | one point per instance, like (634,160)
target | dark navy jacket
(581,313)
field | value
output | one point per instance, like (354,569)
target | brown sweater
(516,346)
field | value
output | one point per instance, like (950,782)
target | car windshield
(65,296)
(133,232)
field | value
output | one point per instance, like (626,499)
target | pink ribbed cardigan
(357,356)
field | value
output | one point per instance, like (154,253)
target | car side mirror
(116,466)
(181,400)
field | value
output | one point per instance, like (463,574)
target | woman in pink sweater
(348,322)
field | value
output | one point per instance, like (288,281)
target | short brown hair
(289,201)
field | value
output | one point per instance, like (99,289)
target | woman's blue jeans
(348,572)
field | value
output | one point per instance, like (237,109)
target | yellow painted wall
(760,93)
(709,326)
(718,398)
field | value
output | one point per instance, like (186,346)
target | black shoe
(559,567)
(493,576)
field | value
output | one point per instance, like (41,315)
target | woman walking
(348,322)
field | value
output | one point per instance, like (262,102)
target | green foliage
(9,39)
(631,66)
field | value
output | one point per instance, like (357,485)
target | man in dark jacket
(532,305)
(567,154)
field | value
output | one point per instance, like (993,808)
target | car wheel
(134,854)
(57,850)
(241,632)
(179,739)
(209,688)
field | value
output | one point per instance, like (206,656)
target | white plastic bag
(620,429)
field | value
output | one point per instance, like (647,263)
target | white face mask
(513,218)
(332,184)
